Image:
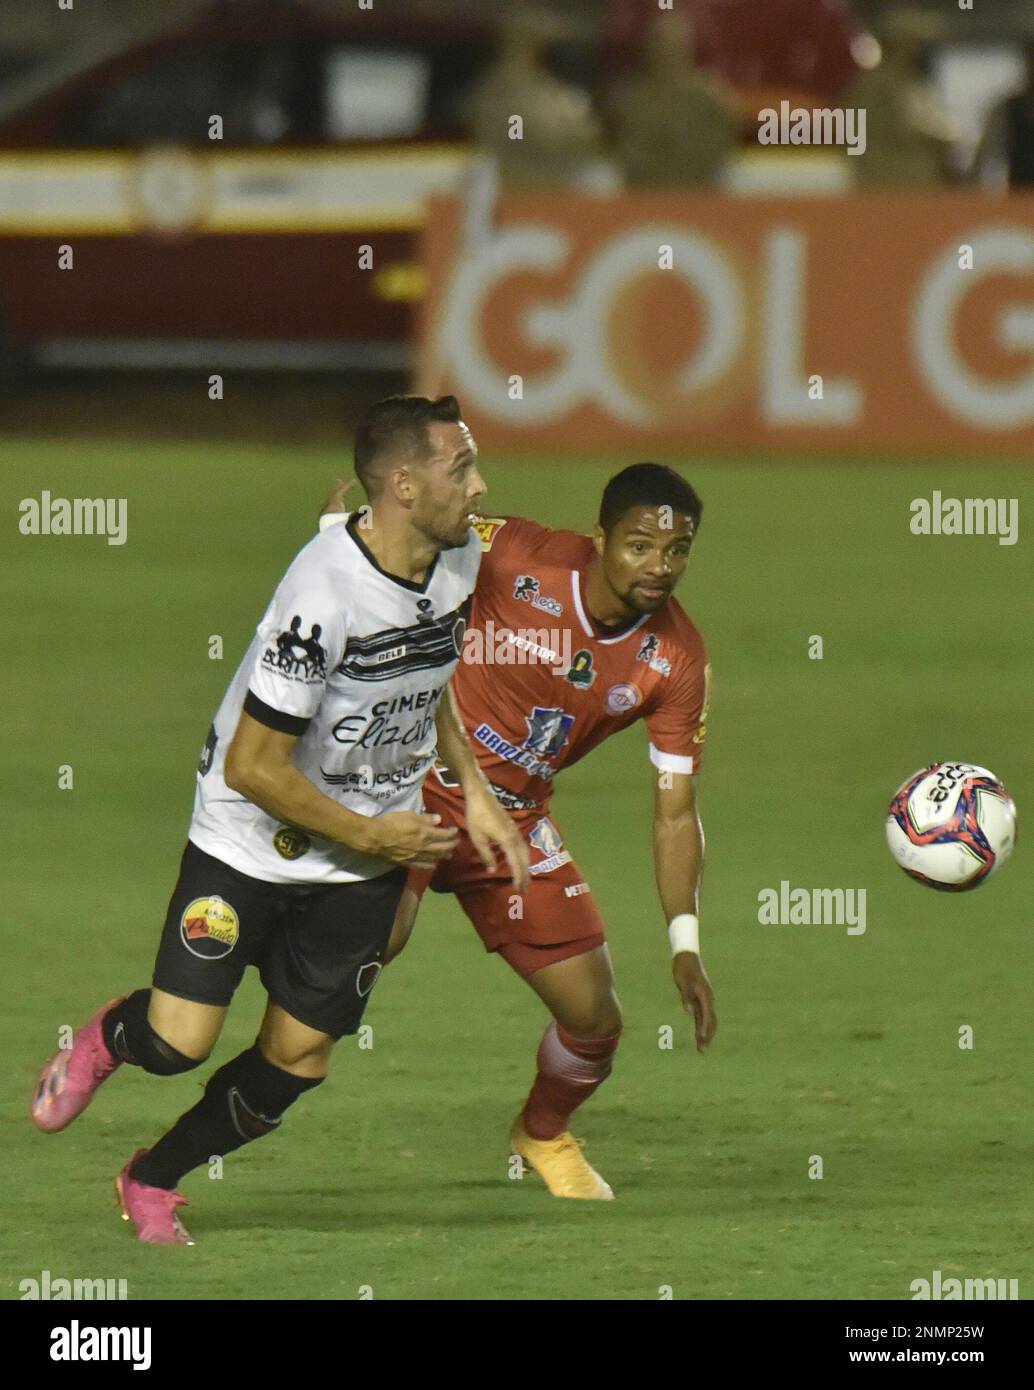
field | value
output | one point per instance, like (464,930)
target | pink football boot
(152,1210)
(69,1080)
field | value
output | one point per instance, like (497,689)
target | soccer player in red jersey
(571,639)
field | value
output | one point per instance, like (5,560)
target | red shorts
(554,919)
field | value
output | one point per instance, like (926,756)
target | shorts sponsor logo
(291,843)
(296,657)
(367,977)
(575,890)
(209,928)
(623,697)
(553,862)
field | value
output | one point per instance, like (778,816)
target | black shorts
(319,947)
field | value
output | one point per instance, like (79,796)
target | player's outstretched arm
(259,766)
(488,824)
(336,504)
(678,846)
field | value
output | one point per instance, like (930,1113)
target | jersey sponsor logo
(291,843)
(296,657)
(526,587)
(575,890)
(506,798)
(365,780)
(623,697)
(547,734)
(648,652)
(385,723)
(580,671)
(488,527)
(209,928)
(520,757)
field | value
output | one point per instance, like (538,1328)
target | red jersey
(568,682)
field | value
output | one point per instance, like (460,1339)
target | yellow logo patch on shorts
(210,928)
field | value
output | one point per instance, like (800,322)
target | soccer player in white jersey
(308,812)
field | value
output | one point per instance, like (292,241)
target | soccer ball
(951,825)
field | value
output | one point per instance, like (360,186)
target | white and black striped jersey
(354,660)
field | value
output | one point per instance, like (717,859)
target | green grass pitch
(392,1176)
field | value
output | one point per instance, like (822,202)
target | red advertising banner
(889,321)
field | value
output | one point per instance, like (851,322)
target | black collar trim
(350,527)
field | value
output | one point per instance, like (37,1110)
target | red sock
(569,1070)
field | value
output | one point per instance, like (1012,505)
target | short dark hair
(648,485)
(398,424)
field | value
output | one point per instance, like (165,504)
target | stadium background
(393,1177)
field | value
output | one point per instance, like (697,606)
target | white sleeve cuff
(670,762)
(331,519)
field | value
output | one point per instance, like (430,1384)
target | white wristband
(331,519)
(684,933)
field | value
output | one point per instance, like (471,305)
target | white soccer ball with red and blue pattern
(951,825)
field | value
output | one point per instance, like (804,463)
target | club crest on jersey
(648,653)
(547,730)
(298,657)
(581,672)
(526,587)
(623,697)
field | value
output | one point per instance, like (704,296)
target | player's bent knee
(597,1026)
(160,1058)
(311,1063)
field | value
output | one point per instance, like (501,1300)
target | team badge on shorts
(546,838)
(291,843)
(209,928)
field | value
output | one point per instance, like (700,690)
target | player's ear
(400,480)
(599,539)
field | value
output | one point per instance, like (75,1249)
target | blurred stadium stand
(974,66)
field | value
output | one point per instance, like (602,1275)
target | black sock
(244,1100)
(124,1026)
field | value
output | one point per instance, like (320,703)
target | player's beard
(441,541)
(640,604)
